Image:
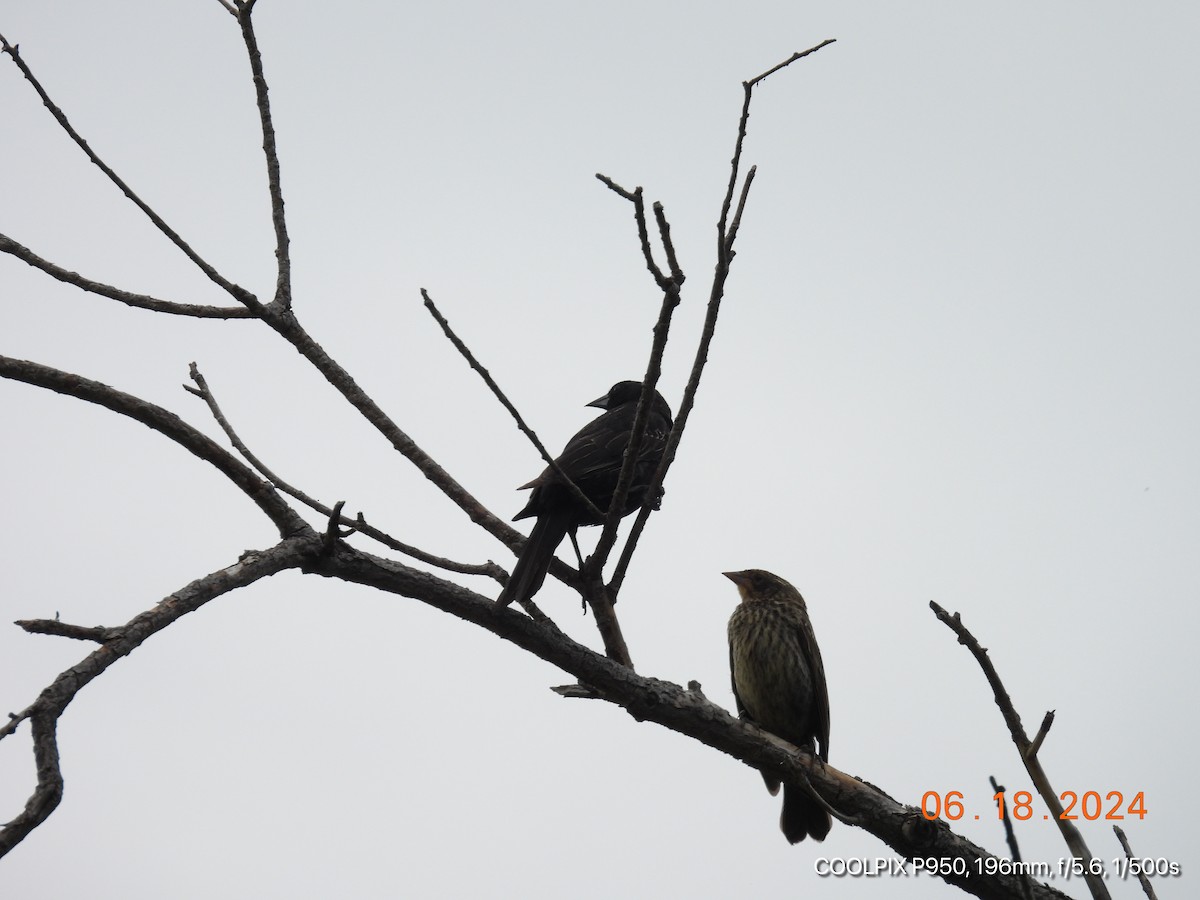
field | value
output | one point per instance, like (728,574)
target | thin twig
(787,62)
(140,301)
(285,323)
(205,393)
(283,281)
(1033,766)
(98,633)
(664,234)
(637,198)
(333,533)
(286,519)
(1036,744)
(726,235)
(670,286)
(239,293)
(737,216)
(466,354)
(1010,836)
(1147,887)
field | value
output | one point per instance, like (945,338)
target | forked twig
(200,445)
(726,234)
(1033,766)
(44,712)
(205,393)
(236,291)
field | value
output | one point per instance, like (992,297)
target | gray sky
(957,361)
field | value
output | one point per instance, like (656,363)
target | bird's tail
(802,816)
(530,571)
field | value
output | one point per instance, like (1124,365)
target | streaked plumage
(779,683)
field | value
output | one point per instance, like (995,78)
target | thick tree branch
(903,828)
(45,711)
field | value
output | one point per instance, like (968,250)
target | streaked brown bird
(592,459)
(779,684)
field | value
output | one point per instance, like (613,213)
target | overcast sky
(958,360)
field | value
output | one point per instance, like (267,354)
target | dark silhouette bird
(592,460)
(779,684)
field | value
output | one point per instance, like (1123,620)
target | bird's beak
(738,578)
(599,402)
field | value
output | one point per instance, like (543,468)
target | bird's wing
(597,447)
(820,708)
(733,680)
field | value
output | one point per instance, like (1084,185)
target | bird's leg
(578,558)
(575,544)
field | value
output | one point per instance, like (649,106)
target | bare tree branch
(903,828)
(236,291)
(596,595)
(45,711)
(1147,887)
(725,239)
(800,54)
(737,216)
(1036,744)
(637,198)
(285,323)
(664,234)
(1010,836)
(280,318)
(670,287)
(283,282)
(592,587)
(98,633)
(359,523)
(141,301)
(1033,766)
(466,354)
(167,423)
(646,699)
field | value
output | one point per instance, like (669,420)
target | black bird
(592,460)
(779,684)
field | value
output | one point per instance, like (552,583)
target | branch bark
(45,711)
(1026,749)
